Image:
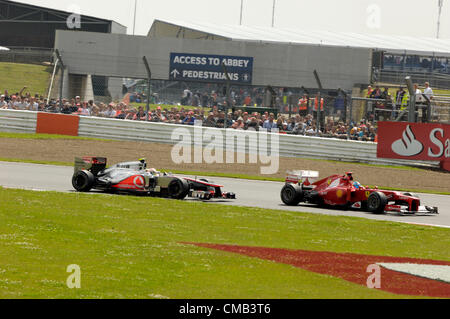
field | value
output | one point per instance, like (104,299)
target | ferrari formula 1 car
(134,177)
(343,191)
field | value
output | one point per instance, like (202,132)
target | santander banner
(415,141)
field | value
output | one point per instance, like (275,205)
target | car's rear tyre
(376,203)
(291,194)
(178,188)
(83,181)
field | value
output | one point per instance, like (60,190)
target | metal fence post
(149,80)
(61,85)
(412,100)
(228,94)
(320,112)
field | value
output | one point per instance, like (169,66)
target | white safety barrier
(289,145)
(18,121)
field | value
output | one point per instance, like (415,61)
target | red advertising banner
(414,141)
(50,123)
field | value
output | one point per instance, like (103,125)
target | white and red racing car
(134,177)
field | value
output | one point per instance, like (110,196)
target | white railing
(289,145)
(18,121)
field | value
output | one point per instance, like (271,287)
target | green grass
(129,247)
(14,76)
(34,136)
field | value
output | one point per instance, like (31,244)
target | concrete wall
(275,64)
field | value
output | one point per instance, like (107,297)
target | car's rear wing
(301,176)
(92,164)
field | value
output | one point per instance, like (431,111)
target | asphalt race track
(249,193)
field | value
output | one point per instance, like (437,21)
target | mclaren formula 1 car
(134,177)
(342,191)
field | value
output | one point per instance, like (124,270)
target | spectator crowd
(298,124)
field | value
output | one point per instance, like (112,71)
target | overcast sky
(401,17)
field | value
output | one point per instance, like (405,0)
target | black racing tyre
(178,188)
(376,202)
(411,194)
(291,194)
(83,181)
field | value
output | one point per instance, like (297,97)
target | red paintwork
(135,182)
(94,160)
(351,267)
(201,182)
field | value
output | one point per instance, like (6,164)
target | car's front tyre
(376,202)
(178,188)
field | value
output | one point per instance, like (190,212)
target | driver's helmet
(143,163)
(357,185)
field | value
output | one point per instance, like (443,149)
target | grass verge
(34,136)
(129,247)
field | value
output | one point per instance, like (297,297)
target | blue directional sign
(208,68)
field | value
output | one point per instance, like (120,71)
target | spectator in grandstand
(316,105)
(32,104)
(84,110)
(238,124)
(66,108)
(210,120)
(141,115)
(400,96)
(186,97)
(52,107)
(270,124)
(95,111)
(280,123)
(41,107)
(419,97)
(13,103)
(248,100)
(130,114)
(376,93)
(428,91)
(158,115)
(312,130)
(121,111)
(253,124)
(426,106)
(189,119)
(78,103)
(110,111)
(7,97)
(303,105)
(3,103)
(290,124)
(369,91)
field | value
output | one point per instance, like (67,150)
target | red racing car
(342,191)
